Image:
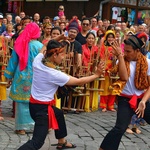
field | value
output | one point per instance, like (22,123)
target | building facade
(50,7)
(131,11)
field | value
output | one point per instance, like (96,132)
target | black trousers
(124,114)
(39,114)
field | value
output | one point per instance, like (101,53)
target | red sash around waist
(133,99)
(51,115)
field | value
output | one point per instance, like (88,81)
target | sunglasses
(85,24)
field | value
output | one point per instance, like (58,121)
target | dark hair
(110,27)
(26,17)
(52,44)
(127,42)
(86,19)
(136,43)
(89,34)
(56,28)
(15,26)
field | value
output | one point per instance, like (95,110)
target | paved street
(86,130)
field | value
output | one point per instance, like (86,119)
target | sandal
(21,132)
(64,146)
(54,144)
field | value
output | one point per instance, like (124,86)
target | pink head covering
(30,32)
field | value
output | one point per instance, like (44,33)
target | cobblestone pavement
(86,130)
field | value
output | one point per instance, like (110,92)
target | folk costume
(90,58)
(107,97)
(46,80)
(131,94)
(135,121)
(19,69)
(3,63)
(88,53)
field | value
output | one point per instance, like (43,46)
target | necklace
(50,64)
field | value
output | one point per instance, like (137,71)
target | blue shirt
(2,28)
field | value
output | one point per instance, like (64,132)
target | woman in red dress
(89,49)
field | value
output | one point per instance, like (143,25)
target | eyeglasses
(85,24)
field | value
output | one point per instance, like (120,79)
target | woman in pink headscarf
(19,71)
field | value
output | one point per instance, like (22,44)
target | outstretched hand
(100,69)
(140,110)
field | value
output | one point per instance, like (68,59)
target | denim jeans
(39,114)
(124,114)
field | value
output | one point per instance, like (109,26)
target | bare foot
(136,130)
(113,110)
(129,131)
(1,118)
(49,130)
(104,110)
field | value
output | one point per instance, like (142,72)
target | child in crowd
(61,11)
